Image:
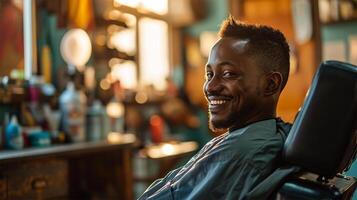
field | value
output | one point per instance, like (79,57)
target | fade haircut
(267,45)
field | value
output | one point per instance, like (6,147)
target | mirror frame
(30,48)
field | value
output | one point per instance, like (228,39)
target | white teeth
(218,102)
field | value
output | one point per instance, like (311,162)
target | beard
(220,125)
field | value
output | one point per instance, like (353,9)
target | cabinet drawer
(38,179)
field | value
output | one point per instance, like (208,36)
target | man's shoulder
(260,137)
(256,138)
(215,141)
(267,129)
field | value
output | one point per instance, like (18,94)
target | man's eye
(209,75)
(228,74)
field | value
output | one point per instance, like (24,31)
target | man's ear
(273,83)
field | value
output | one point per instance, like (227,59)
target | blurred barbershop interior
(99,98)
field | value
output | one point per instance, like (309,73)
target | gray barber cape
(230,166)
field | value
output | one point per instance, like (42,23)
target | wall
(217,12)
(340,32)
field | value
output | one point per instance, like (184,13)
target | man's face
(234,85)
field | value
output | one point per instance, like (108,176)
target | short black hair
(268,45)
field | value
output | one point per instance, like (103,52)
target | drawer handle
(39,184)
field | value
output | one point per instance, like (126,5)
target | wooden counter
(88,170)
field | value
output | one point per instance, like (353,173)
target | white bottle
(73,110)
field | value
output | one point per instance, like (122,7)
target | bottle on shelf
(13,135)
(95,116)
(116,109)
(73,113)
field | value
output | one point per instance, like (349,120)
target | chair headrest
(323,137)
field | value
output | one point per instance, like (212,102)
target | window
(156,6)
(151,44)
(154,57)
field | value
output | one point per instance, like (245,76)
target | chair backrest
(323,138)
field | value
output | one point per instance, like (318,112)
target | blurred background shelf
(62,150)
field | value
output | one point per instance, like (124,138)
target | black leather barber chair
(323,139)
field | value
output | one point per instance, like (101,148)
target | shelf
(64,149)
(337,22)
(106,22)
(107,53)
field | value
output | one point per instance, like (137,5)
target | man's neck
(257,118)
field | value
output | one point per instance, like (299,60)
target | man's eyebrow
(225,63)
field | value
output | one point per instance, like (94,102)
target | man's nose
(213,85)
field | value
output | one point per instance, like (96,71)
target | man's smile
(216,104)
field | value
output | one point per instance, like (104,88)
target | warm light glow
(115,109)
(76,48)
(114,61)
(207,40)
(110,78)
(126,74)
(114,137)
(104,84)
(129,19)
(293,64)
(156,6)
(130,3)
(168,149)
(124,41)
(113,29)
(18,3)
(141,97)
(154,57)
(89,78)
(100,40)
(113,14)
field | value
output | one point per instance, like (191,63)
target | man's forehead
(228,48)
(235,44)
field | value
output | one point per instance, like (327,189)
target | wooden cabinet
(96,170)
(38,179)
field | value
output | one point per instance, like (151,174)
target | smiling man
(246,71)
